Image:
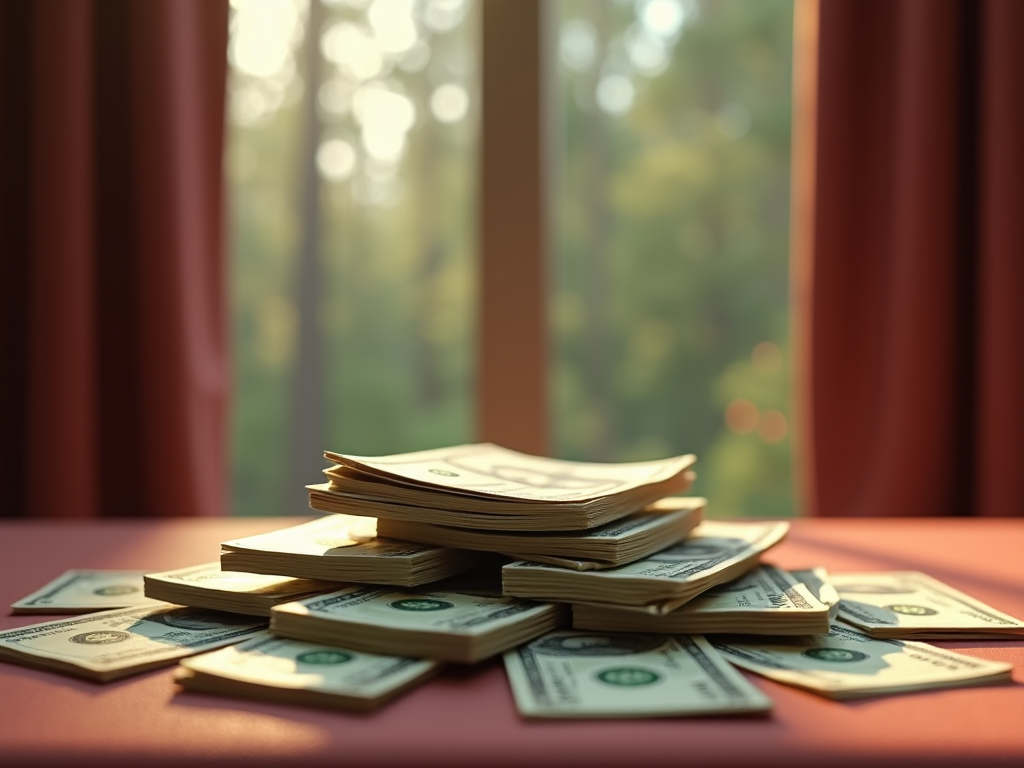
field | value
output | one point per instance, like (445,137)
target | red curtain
(916,339)
(112,306)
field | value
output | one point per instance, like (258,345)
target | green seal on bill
(103,637)
(912,610)
(324,657)
(628,676)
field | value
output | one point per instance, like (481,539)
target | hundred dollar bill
(294,672)
(593,675)
(434,625)
(112,644)
(765,601)
(659,525)
(83,591)
(847,664)
(486,486)
(207,586)
(909,604)
(342,548)
(716,552)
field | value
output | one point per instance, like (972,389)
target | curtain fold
(112,293)
(915,371)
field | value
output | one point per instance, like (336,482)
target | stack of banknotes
(606,596)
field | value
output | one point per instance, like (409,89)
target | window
(668,161)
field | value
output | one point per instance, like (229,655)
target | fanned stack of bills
(847,664)
(909,604)
(487,487)
(715,553)
(294,672)
(764,601)
(434,625)
(658,526)
(342,548)
(207,586)
(111,644)
(586,674)
(82,591)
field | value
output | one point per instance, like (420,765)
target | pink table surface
(467,717)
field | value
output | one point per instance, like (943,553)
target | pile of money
(343,548)
(608,597)
(487,487)
(425,624)
(294,672)
(207,586)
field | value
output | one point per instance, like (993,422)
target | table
(467,717)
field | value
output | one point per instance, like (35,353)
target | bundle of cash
(847,664)
(764,601)
(342,548)
(111,644)
(207,586)
(81,591)
(487,487)
(435,625)
(587,674)
(715,553)
(909,604)
(294,672)
(658,526)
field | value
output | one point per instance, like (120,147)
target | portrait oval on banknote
(912,610)
(324,656)
(102,637)
(112,590)
(421,604)
(839,655)
(597,645)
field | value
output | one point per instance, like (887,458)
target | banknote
(421,624)
(341,548)
(111,644)
(573,674)
(764,601)
(658,526)
(291,671)
(847,664)
(487,487)
(85,591)
(910,604)
(817,580)
(716,552)
(207,586)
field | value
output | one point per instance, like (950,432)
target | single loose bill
(716,552)
(294,672)
(85,591)
(913,605)
(111,644)
(847,664)
(487,487)
(817,580)
(573,674)
(764,601)
(421,624)
(207,586)
(659,525)
(342,548)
